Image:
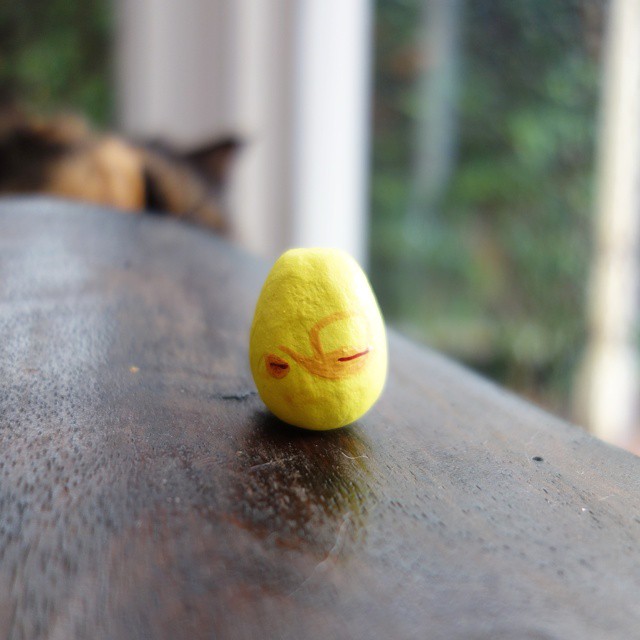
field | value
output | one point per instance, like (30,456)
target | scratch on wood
(270,463)
(353,457)
(240,395)
(333,554)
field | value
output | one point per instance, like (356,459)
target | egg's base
(315,427)
(319,419)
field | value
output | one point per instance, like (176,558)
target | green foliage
(55,54)
(496,274)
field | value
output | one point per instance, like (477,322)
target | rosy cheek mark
(276,367)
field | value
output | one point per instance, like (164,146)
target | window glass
(482,193)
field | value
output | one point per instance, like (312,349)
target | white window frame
(291,76)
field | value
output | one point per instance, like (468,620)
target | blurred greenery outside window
(56,54)
(482,188)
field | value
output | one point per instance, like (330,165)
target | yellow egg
(318,347)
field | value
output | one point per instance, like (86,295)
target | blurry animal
(63,156)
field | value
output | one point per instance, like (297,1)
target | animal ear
(214,159)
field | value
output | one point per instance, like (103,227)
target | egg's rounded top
(318,349)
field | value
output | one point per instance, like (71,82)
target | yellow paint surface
(318,347)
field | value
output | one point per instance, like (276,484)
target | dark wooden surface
(145,492)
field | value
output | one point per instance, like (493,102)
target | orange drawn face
(333,365)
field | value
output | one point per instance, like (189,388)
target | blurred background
(480,157)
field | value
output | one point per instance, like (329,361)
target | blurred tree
(498,277)
(56,54)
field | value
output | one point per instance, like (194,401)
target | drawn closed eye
(276,367)
(360,354)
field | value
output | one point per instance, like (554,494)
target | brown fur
(62,156)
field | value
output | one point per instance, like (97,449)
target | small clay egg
(318,347)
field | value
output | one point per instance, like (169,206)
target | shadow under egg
(299,487)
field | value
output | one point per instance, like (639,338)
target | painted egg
(318,347)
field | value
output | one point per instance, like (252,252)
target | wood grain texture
(145,492)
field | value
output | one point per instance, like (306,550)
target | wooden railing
(145,491)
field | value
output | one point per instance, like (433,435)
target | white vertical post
(262,65)
(331,97)
(290,76)
(610,391)
(173,71)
